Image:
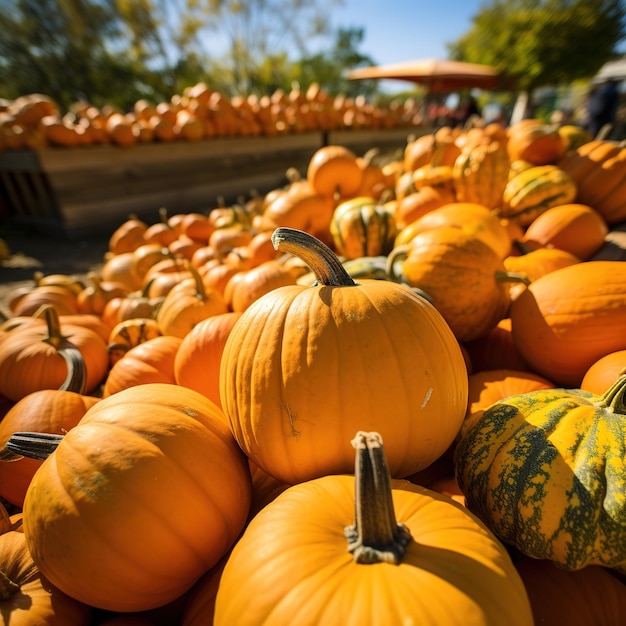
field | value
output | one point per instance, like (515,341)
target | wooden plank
(98,216)
(54,160)
(108,186)
(19,161)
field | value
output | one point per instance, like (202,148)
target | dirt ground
(31,252)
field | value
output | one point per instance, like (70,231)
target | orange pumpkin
(303,365)
(246,287)
(198,358)
(118,268)
(334,172)
(151,361)
(423,558)
(188,303)
(44,411)
(575,228)
(533,141)
(604,372)
(26,597)
(599,170)
(536,263)
(567,319)
(474,219)
(109,488)
(490,386)
(421,201)
(464,276)
(46,355)
(128,236)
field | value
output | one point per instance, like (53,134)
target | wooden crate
(89,190)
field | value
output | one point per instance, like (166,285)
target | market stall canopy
(437,75)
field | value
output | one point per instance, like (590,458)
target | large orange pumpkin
(138,500)
(367,550)
(303,365)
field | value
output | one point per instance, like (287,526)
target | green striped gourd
(362,227)
(481,173)
(534,190)
(546,471)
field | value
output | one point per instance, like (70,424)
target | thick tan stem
(323,262)
(376,536)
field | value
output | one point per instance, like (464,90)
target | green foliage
(544,42)
(72,50)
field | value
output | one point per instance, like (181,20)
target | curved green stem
(614,399)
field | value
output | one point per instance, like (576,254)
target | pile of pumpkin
(35,120)
(388,392)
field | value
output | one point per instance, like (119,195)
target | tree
(544,42)
(74,50)
(254,30)
(328,68)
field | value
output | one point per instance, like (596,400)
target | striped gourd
(546,471)
(481,173)
(535,190)
(362,227)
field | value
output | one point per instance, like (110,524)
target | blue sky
(400,30)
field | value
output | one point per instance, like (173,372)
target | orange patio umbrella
(437,75)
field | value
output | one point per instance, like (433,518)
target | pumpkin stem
(38,446)
(614,399)
(73,357)
(512,277)
(522,247)
(323,262)
(7,587)
(376,536)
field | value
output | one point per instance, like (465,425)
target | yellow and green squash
(546,471)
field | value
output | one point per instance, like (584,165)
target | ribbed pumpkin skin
(36,602)
(293,567)
(599,170)
(44,411)
(306,367)
(459,272)
(567,319)
(534,190)
(98,515)
(545,471)
(362,227)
